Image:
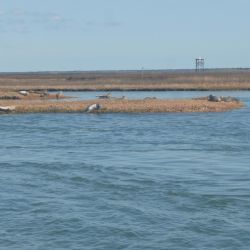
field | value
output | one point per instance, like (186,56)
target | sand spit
(42,101)
(121,106)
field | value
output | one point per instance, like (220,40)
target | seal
(93,107)
(213,98)
(7,109)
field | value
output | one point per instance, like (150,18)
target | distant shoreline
(108,71)
(139,80)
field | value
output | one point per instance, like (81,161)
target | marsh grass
(131,80)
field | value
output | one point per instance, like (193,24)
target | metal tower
(199,64)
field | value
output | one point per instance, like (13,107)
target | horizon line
(121,70)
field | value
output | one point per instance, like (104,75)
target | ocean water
(126,181)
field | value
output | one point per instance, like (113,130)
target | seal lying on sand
(93,107)
(213,98)
(229,99)
(106,96)
(7,109)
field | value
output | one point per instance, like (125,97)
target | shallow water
(87,95)
(126,181)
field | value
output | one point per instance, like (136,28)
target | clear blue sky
(40,35)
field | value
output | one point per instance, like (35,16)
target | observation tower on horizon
(199,64)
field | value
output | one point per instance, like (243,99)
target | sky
(59,35)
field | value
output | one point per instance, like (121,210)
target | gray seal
(93,107)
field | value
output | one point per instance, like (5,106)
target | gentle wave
(125,181)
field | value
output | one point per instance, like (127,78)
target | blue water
(126,181)
(87,95)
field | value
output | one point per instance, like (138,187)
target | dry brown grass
(130,80)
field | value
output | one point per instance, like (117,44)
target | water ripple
(125,181)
